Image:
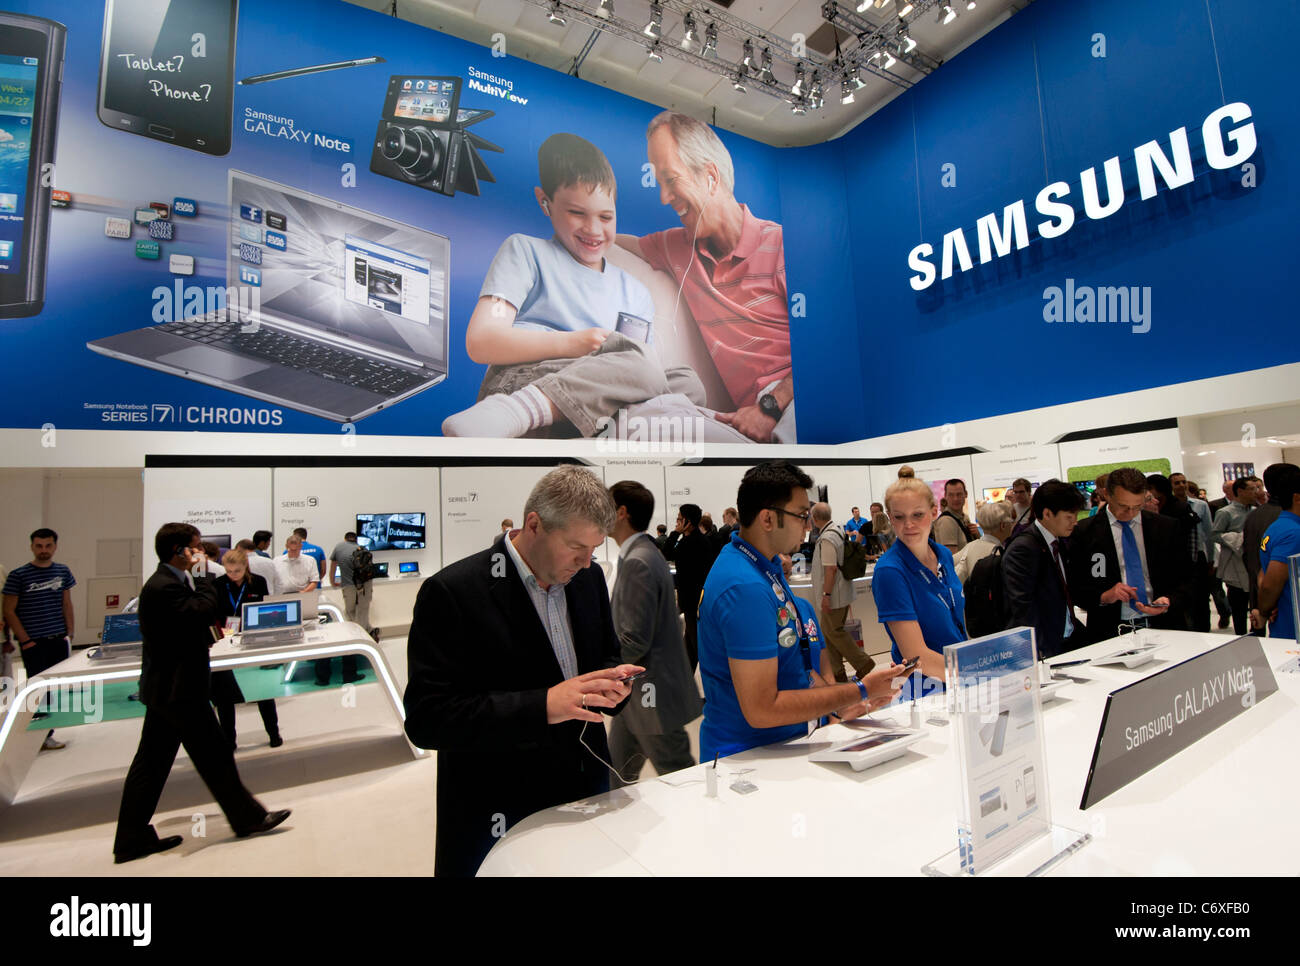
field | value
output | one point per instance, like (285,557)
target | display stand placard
(1005,806)
(1150,721)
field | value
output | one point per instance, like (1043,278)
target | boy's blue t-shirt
(552,292)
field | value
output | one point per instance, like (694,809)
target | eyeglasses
(804,517)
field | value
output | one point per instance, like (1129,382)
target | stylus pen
(315,69)
(1069,663)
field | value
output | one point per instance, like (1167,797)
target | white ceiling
(622,64)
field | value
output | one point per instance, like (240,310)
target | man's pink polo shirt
(738,301)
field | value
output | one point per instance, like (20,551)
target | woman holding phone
(918,596)
(236,587)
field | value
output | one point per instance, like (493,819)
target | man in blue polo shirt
(38,609)
(1281,542)
(764,670)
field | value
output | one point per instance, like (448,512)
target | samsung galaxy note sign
(1229,139)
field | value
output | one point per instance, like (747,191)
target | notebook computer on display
(381,569)
(334,311)
(309,603)
(408,568)
(269,622)
(121,638)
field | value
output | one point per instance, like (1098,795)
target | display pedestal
(1031,859)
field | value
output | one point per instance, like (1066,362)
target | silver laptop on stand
(271,622)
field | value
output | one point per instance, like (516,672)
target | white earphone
(546,206)
(711,182)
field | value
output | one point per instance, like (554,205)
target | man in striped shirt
(38,609)
(731,266)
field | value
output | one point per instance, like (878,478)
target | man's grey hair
(697,145)
(570,493)
(991,516)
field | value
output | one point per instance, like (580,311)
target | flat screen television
(391,531)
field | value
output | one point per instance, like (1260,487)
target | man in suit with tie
(511,655)
(1128,563)
(645,618)
(178,612)
(1035,571)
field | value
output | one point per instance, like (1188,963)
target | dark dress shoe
(161,845)
(271,821)
(353,679)
(276,740)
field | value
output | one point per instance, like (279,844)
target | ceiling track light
(655,28)
(799,74)
(738,81)
(970,4)
(765,74)
(816,94)
(846,91)
(652,52)
(798,108)
(905,9)
(748,59)
(946,14)
(862,6)
(689,37)
(711,41)
(555,16)
(880,4)
(605,10)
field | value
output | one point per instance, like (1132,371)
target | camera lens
(414,150)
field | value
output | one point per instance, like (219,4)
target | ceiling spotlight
(970,4)
(880,4)
(946,14)
(738,81)
(605,10)
(883,59)
(748,59)
(652,52)
(816,94)
(555,16)
(846,91)
(689,38)
(797,89)
(655,27)
(862,5)
(905,42)
(905,9)
(765,72)
(710,42)
(798,107)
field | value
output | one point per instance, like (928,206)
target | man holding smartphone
(178,614)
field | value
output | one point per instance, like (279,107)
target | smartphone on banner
(31,80)
(167,71)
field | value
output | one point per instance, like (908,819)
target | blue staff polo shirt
(905,590)
(745,608)
(1281,541)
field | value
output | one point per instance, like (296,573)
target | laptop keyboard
(272,345)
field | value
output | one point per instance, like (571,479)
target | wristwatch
(768,406)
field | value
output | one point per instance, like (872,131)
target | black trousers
(226,694)
(1239,600)
(1198,609)
(322,667)
(166,728)
(42,654)
(692,644)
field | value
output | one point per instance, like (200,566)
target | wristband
(862,688)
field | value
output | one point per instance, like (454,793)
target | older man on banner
(731,266)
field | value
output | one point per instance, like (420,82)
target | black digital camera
(422,137)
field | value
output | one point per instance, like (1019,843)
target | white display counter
(1224,806)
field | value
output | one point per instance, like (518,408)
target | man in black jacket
(1128,563)
(178,612)
(689,549)
(1035,571)
(511,654)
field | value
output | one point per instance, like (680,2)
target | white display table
(1224,806)
(19,746)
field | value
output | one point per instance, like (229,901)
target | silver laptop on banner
(271,622)
(327,309)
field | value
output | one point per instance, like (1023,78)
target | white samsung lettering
(1228,136)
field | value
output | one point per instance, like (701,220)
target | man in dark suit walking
(689,549)
(511,654)
(645,618)
(1128,563)
(1035,571)
(178,612)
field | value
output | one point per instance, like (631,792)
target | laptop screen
(409,568)
(122,629)
(305,259)
(269,616)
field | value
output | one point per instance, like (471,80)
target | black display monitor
(391,531)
